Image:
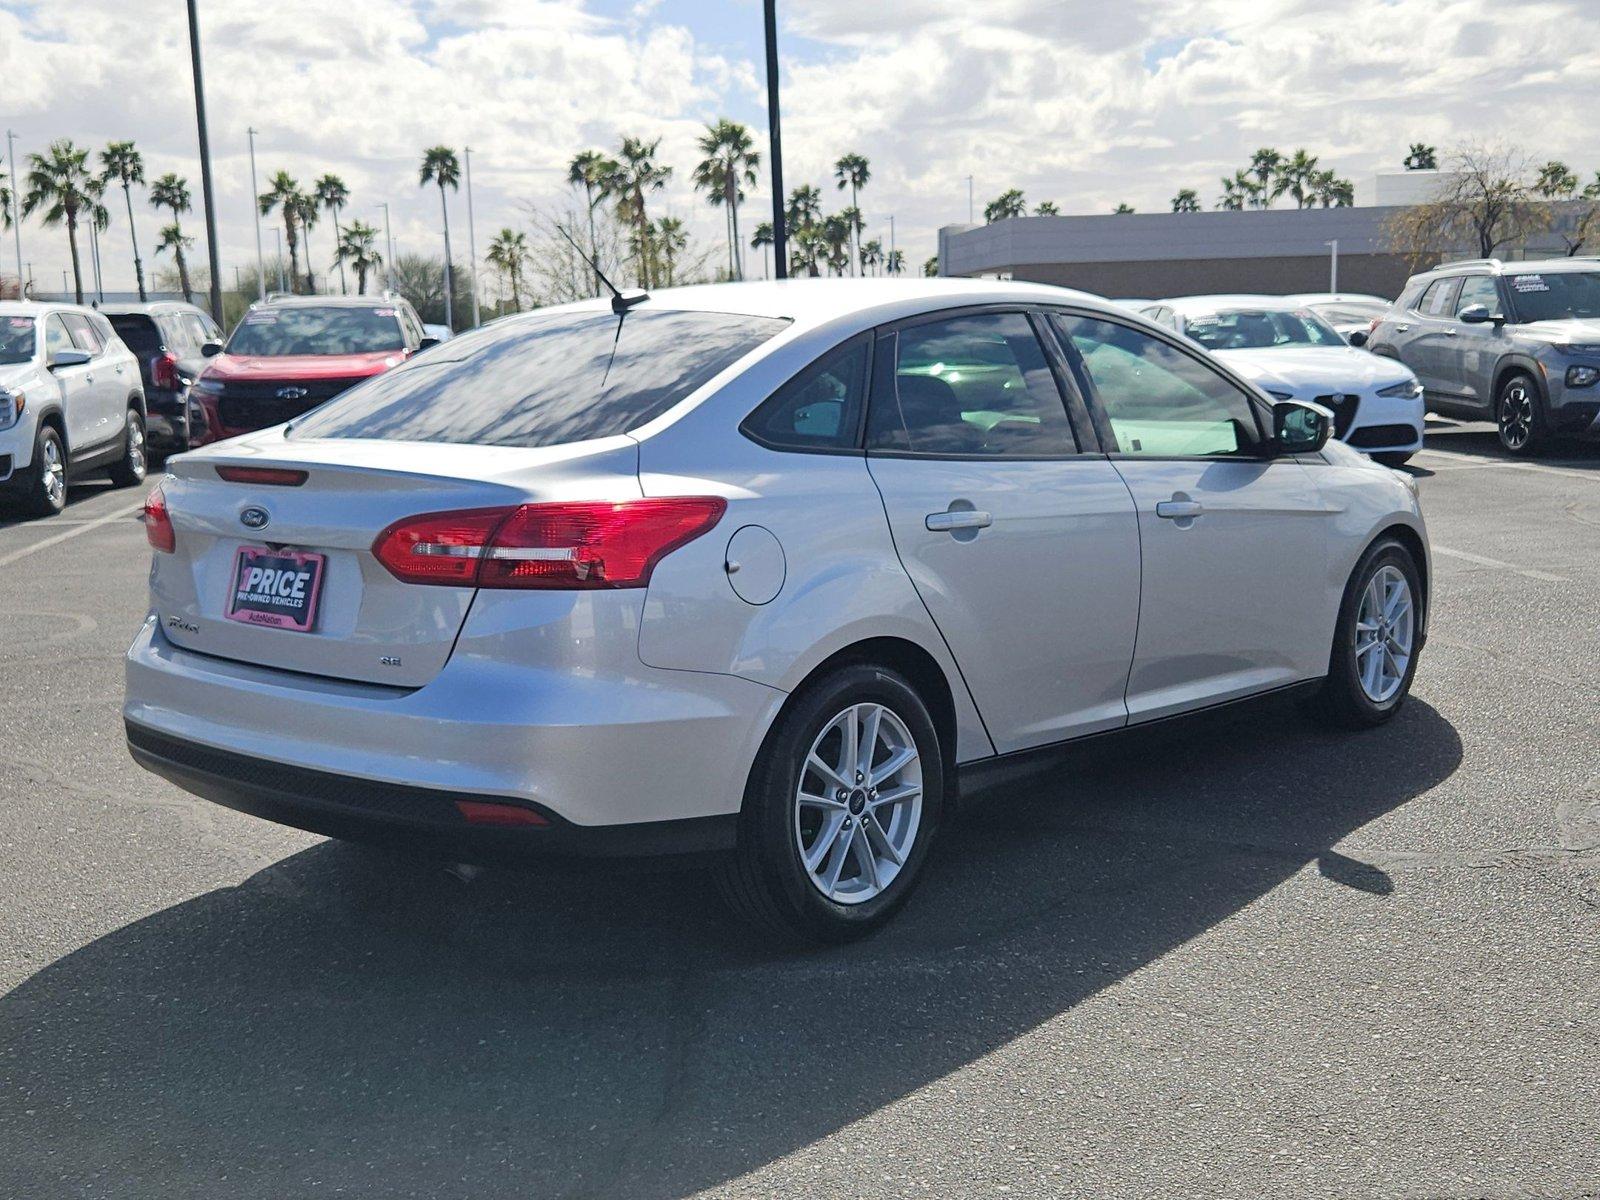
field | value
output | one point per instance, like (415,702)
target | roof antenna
(621,301)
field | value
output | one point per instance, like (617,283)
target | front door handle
(943,522)
(1450,333)
(1401,328)
(1179,510)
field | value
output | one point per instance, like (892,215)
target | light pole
(255,207)
(277,241)
(94,259)
(205,164)
(472,240)
(780,232)
(971,211)
(1333,266)
(388,241)
(891,244)
(16,203)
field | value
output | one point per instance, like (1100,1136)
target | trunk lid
(368,626)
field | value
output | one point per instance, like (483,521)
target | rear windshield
(138,332)
(1261,329)
(544,380)
(16,339)
(306,329)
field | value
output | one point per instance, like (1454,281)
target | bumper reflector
(483,812)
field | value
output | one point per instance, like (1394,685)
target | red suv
(287,356)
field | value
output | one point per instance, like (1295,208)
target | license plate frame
(272,601)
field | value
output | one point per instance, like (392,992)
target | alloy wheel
(55,473)
(1385,629)
(1516,415)
(859,803)
(136,458)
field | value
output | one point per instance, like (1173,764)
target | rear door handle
(943,522)
(1177,510)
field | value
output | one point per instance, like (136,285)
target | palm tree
(1186,201)
(1122,208)
(285,195)
(1328,190)
(854,172)
(5,212)
(508,252)
(331,193)
(871,254)
(1239,191)
(1422,157)
(638,174)
(763,241)
(121,162)
(804,208)
(836,237)
(807,247)
(672,238)
(357,245)
(172,239)
(590,170)
(931,266)
(1294,178)
(730,161)
(1264,164)
(1046,208)
(1006,205)
(309,214)
(60,183)
(440,166)
(895,262)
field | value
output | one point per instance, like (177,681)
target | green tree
(1046,208)
(358,246)
(331,193)
(590,170)
(5,209)
(871,256)
(1006,205)
(1265,164)
(1422,157)
(637,175)
(804,208)
(440,166)
(931,266)
(1330,191)
(1581,204)
(1122,209)
(729,166)
(762,240)
(172,238)
(1186,201)
(1239,191)
(853,171)
(836,238)
(671,239)
(1295,178)
(62,189)
(508,254)
(895,262)
(122,163)
(283,194)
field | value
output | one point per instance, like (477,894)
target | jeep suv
(1515,343)
(287,356)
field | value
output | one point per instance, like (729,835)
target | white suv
(71,400)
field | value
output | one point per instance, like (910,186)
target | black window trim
(1259,408)
(891,330)
(857,443)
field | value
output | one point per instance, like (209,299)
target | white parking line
(1478,460)
(1482,561)
(15,555)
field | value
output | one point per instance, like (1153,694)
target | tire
(1360,692)
(131,468)
(767,881)
(1395,459)
(1518,416)
(45,493)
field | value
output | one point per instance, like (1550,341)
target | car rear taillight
(270,476)
(158,529)
(164,371)
(563,546)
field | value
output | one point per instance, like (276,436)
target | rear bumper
(412,818)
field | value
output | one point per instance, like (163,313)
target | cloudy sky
(1084,102)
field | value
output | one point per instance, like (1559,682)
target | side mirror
(427,343)
(69,358)
(1300,428)
(1475,314)
(1358,337)
(210,349)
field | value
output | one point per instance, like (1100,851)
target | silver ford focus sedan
(760,571)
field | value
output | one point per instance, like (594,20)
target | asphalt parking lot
(1253,959)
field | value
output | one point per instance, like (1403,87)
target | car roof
(137,308)
(1335,298)
(38,308)
(329,302)
(1494,266)
(1197,305)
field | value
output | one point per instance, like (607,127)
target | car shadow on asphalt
(348,1020)
(1480,439)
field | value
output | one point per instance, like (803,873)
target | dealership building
(1154,255)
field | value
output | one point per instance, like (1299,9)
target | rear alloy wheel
(1375,645)
(1517,416)
(47,489)
(843,805)
(130,469)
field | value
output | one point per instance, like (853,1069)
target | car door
(1423,337)
(76,384)
(1024,549)
(1477,346)
(107,390)
(1234,540)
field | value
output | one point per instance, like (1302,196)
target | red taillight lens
(270,476)
(164,371)
(484,812)
(578,545)
(158,529)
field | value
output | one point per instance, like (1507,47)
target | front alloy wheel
(1385,628)
(1517,416)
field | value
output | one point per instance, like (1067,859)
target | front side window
(56,337)
(544,380)
(820,408)
(1555,295)
(1261,329)
(1478,289)
(83,333)
(975,385)
(1160,401)
(16,339)
(274,331)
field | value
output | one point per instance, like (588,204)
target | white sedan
(769,571)
(1290,352)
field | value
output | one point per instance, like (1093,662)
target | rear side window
(1439,299)
(544,380)
(976,385)
(139,332)
(84,335)
(820,408)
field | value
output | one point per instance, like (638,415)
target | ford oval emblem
(254,517)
